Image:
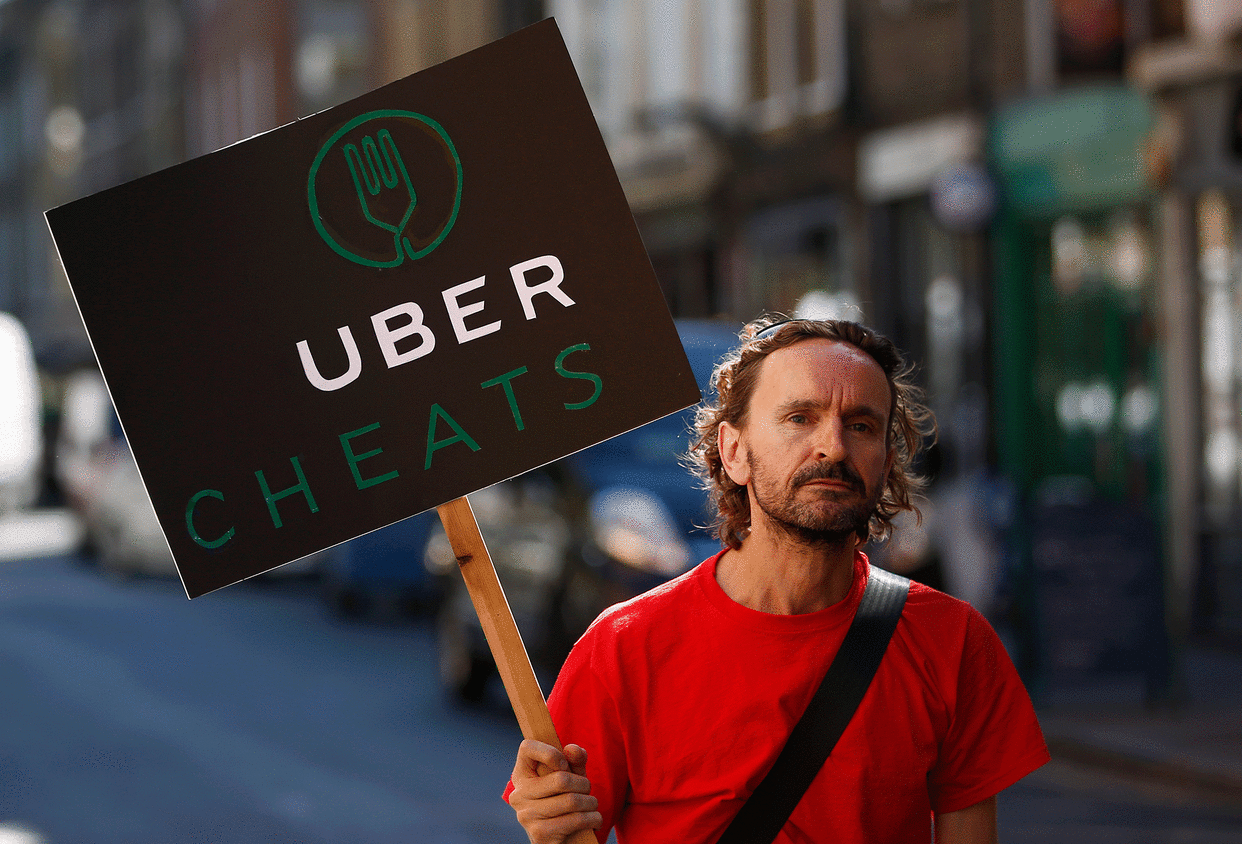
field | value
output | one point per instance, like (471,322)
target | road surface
(131,715)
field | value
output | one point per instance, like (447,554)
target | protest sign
(373,310)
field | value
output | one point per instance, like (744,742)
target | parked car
(21,431)
(100,482)
(584,533)
(381,573)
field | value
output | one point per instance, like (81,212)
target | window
(798,58)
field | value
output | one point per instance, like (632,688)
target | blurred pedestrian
(685,696)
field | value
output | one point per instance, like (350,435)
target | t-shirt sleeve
(584,712)
(993,738)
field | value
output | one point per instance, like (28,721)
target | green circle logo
(385,187)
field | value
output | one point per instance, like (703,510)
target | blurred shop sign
(1077,150)
(1212,20)
(905,161)
(374,310)
(1100,593)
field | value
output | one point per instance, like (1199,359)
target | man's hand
(551,794)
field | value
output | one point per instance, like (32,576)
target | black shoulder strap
(827,715)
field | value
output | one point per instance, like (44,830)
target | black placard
(376,309)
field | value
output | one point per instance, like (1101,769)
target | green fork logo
(362,194)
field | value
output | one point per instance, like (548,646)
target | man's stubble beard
(834,518)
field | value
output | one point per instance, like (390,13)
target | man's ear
(733,454)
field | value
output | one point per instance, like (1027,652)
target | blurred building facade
(253,67)
(90,97)
(1038,200)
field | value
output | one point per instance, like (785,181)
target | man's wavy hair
(734,380)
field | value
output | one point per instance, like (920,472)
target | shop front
(1197,86)
(1078,387)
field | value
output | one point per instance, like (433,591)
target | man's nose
(830,441)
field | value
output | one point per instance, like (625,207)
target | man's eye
(797,418)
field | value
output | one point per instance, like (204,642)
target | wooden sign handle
(501,630)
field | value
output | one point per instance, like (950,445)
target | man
(684,696)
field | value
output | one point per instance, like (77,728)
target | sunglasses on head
(771,330)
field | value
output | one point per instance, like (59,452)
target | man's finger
(577,758)
(533,754)
(558,805)
(560,828)
(550,785)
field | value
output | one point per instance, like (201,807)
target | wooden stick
(501,630)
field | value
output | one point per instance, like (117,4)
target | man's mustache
(829,472)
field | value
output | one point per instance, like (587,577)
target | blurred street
(1074,803)
(133,715)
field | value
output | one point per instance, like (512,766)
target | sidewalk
(1199,744)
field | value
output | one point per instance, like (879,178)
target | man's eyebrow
(863,410)
(867,411)
(797,404)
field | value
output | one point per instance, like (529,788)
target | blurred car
(121,524)
(21,426)
(528,530)
(575,537)
(381,573)
(100,481)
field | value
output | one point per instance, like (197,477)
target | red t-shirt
(683,699)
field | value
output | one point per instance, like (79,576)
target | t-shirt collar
(839,613)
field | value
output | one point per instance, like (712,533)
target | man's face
(814,450)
